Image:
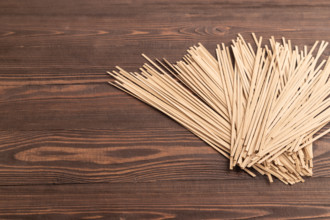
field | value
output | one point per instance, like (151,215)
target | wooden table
(73,147)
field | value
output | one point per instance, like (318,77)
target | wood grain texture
(178,200)
(73,147)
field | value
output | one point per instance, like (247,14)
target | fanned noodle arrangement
(261,108)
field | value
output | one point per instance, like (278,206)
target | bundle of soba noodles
(261,108)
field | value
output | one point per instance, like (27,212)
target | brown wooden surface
(73,147)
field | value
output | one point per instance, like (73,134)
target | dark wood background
(73,147)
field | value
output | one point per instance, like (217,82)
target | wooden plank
(120,155)
(84,37)
(123,155)
(168,199)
